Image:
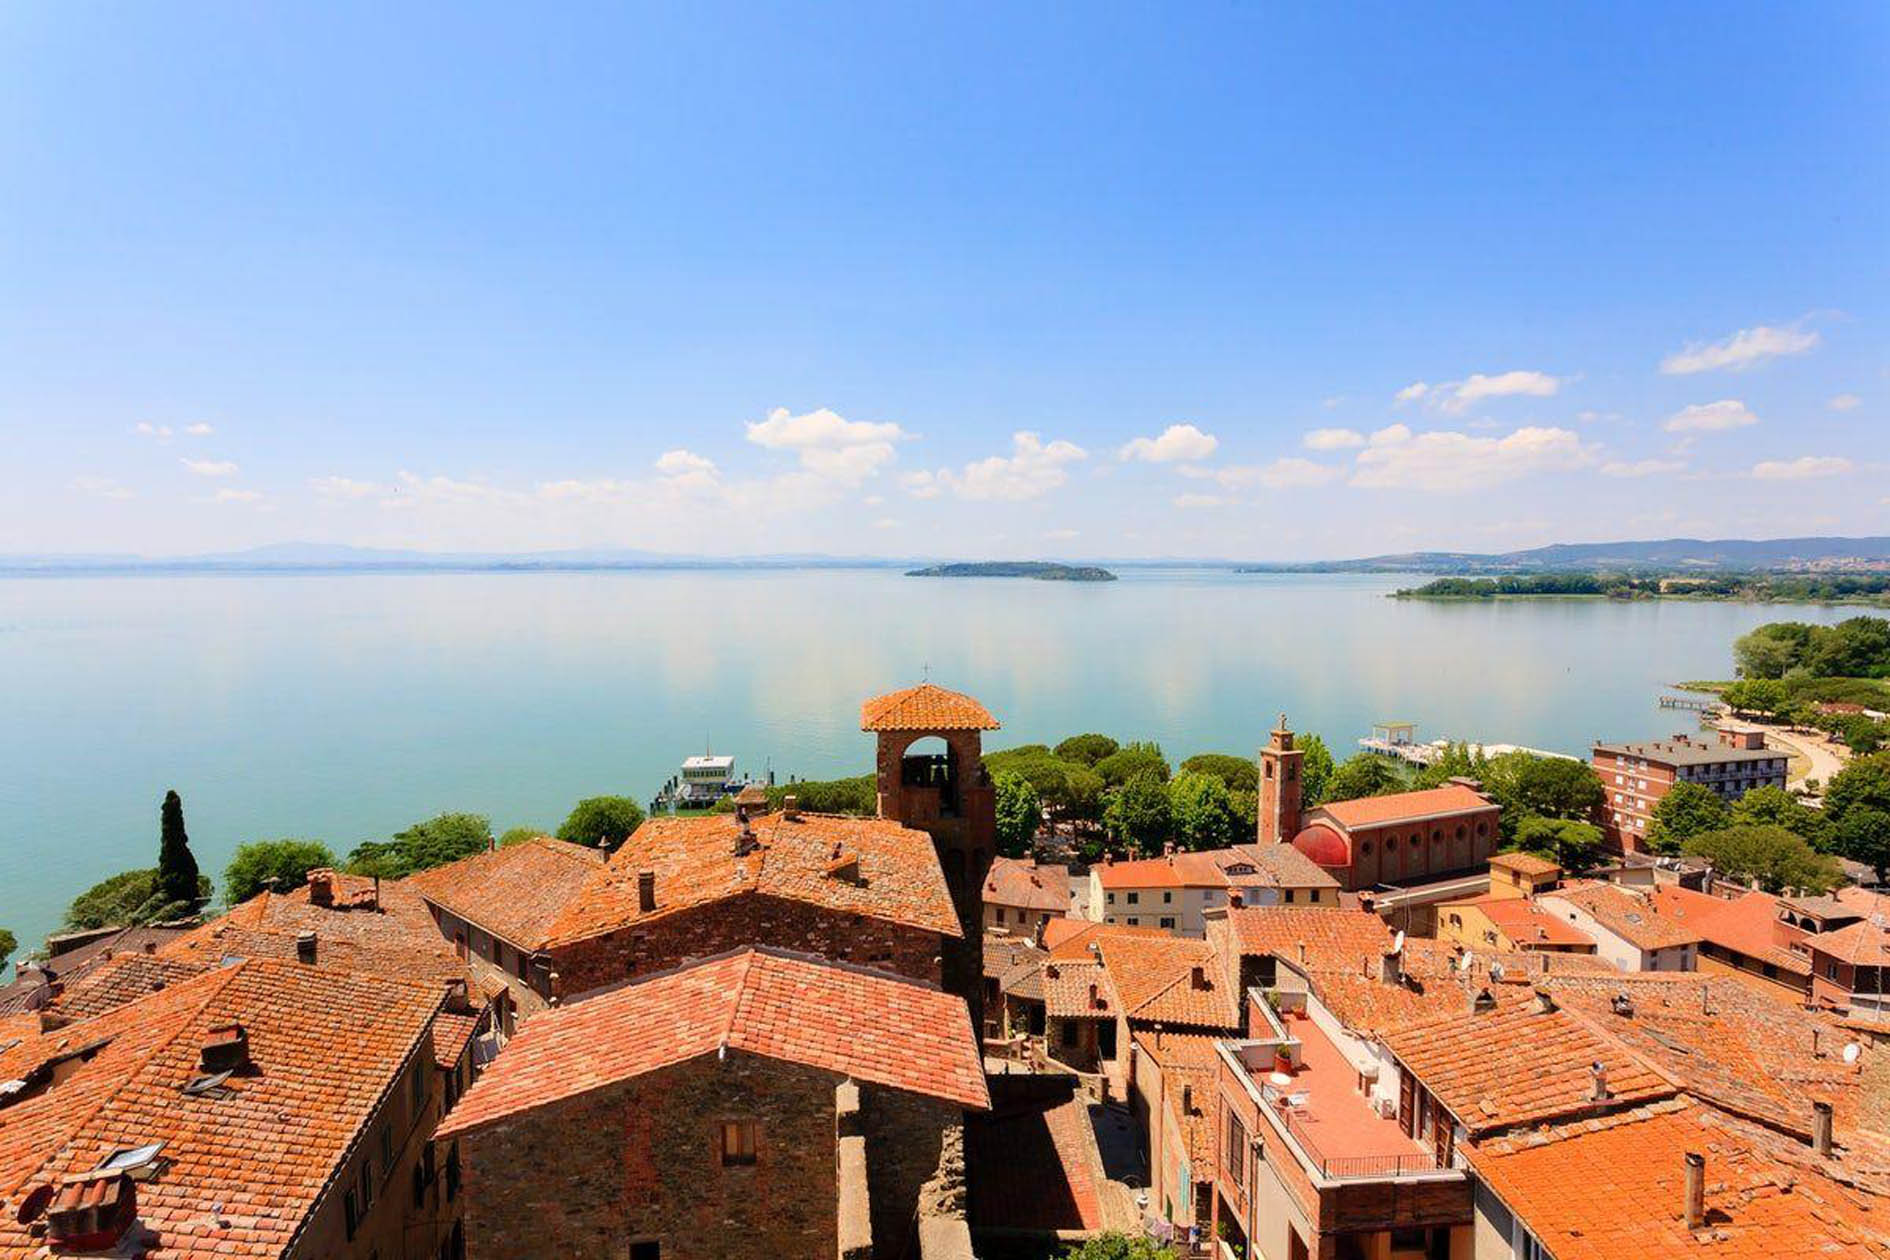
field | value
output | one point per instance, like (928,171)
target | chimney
(1623,1006)
(1545,1003)
(1391,967)
(1367,902)
(1235,900)
(1095,998)
(1198,977)
(1187,1100)
(1598,1079)
(1821,1127)
(791,807)
(1168,850)
(646,891)
(1300,948)
(1696,1190)
(1050,971)
(225,1049)
(321,886)
(305,946)
(150,947)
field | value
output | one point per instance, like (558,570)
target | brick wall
(750,919)
(1418,850)
(906,1139)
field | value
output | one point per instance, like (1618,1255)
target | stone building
(1403,838)
(1636,776)
(761,1104)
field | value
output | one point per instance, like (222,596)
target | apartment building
(1174,892)
(1635,776)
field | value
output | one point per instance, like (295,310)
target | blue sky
(904,279)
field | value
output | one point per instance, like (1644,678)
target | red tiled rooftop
(516,893)
(1033,1161)
(1748,924)
(926,707)
(1401,807)
(1278,930)
(1336,1122)
(1524,922)
(1028,885)
(1627,913)
(864,1024)
(1863,944)
(1168,979)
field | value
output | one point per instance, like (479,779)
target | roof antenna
(925,672)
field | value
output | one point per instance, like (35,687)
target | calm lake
(342,707)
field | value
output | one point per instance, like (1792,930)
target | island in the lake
(1763,588)
(1042,570)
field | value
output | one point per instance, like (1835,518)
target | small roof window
(133,1161)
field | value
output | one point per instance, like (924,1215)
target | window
(351,1212)
(738,1142)
(646,1251)
(367,1183)
(1168,923)
(1135,899)
(1000,914)
(1234,1158)
(1134,922)
(418,1086)
(1167,897)
(1112,899)
(1287,896)
(387,1149)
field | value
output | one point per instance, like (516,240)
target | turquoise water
(344,707)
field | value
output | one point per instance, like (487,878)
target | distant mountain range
(1722,555)
(1669,555)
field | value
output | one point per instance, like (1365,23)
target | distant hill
(1668,555)
(1042,571)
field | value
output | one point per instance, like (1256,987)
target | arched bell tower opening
(930,775)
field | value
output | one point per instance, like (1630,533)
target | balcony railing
(1356,1167)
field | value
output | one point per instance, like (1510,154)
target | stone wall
(750,919)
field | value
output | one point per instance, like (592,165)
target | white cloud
(1446,462)
(1033,468)
(885,522)
(1290,473)
(103,488)
(1642,467)
(1744,349)
(873,500)
(1332,439)
(344,488)
(1713,417)
(1191,501)
(921,485)
(686,468)
(586,490)
(1177,442)
(848,451)
(162,432)
(415,491)
(1456,397)
(1804,468)
(200,429)
(1844,402)
(210,467)
(231,495)
(1411,393)
(1061,535)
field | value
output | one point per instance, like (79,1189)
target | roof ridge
(743,992)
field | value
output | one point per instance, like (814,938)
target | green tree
(1554,787)
(1770,651)
(601,821)
(435,842)
(857,795)
(518,835)
(1132,761)
(1019,813)
(1087,749)
(1573,845)
(1362,774)
(1201,812)
(1864,836)
(1139,811)
(1315,769)
(1764,696)
(130,899)
(1119,1247)
(1240,774)
(1863,784)
(1457,762)
(1775,807)
(1687,810)
(177,866)
(1772,855)
(8,943)
(272,864)
(1857,647)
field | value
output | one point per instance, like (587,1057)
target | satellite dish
(1496,971)
(34,1205)
(1463,963)
(1397,943)
(1852,1051)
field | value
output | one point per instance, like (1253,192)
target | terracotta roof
(1614,1189)
(848,1020)
(1523,921)
(1175,870)
(451,1031)
(1399,807)
(1518,1065)
(1154,979)
(1032,1159)
(926,707)
(1187,1059)
(1526,863)
(1026,884)
(1864,944)
(1278,866)
(1323,845)
(1072,938)
(695,863)
(1748,924)
(245,1163)
(1368,1006)
(1002,953)
(517,892)
(1078,990)
(1279,930)
(1627,913)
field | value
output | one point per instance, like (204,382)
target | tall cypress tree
(177,868)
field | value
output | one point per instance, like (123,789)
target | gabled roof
(1863,944)
(1748,924)
(1279,930)
(1524,922)
(695,863)
(851,1021)
(926,707)
(1073,938)
(516,892)
(1078,990)
(1402,807)
(246,1162)
(1613,1188)
(1154,979)
(1630,915)
(1526,863)
(1028,884)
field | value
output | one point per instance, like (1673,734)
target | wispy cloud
(230,494)
(1804,468)
(1450,462)
(1034,467)
(211,467)
(1746,348)
(1332,439)
(1175,443)
(1642,467)
(1844,402)
(144,428)
(103,488)
(1713,417)
(199,429)
(345,488)
(1456,397)
(1192,502)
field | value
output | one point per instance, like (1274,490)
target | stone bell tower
(944,791)
(1280,787)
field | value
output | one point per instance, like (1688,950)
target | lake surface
(343,707)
